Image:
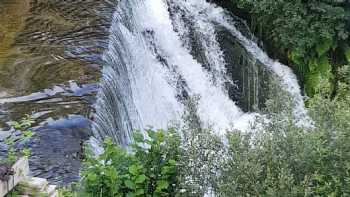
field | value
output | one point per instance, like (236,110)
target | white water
(149,65)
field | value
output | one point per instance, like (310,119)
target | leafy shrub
(64,192)
(285,160)
(311,34)
(277,159)
(149,170)
(163,164)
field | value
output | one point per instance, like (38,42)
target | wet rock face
(251,78)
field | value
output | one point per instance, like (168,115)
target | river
(95,68)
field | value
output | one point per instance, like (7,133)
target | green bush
(285,160)
(149,170)
(277,159)
(163,164)
(313,35)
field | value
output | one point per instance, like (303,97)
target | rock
(21,170)
(34,186)
(5,172)
(52,191)
(35,183)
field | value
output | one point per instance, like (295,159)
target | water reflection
(50,62)
(13,15)
(49,42)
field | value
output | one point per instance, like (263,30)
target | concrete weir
(30,186)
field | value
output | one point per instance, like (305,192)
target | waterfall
(163,52)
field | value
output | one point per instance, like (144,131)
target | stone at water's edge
(31,186)
(21,169)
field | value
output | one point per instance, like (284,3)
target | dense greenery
(277,159)
(285,160)
(282,159)
(150,170)
(313,35)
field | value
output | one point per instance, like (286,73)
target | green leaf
(108,142)
(91,177)
(28,134)
(138,137)
(324,65)
(172,162)
(313,65)
(312,81)
(140,179)
(130,194)
(112,173)
(347,53)
(152,135)
(162,184)
(129,184)
(26,152)
(295,56)
(323,47)
(15,125)
(139,192)
(134,169)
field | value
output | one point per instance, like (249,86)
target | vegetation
(277,159)
(150,170)
(25,134)
(285,160)
(23,188)
(282,159)
(312,35)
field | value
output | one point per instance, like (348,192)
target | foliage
(312,34)
(277,159)
(163,164)
(150,170)
(65,192)
(202,157)
(282,159)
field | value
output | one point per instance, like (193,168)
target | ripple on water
(48,49)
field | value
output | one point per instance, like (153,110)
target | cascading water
(163,52)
